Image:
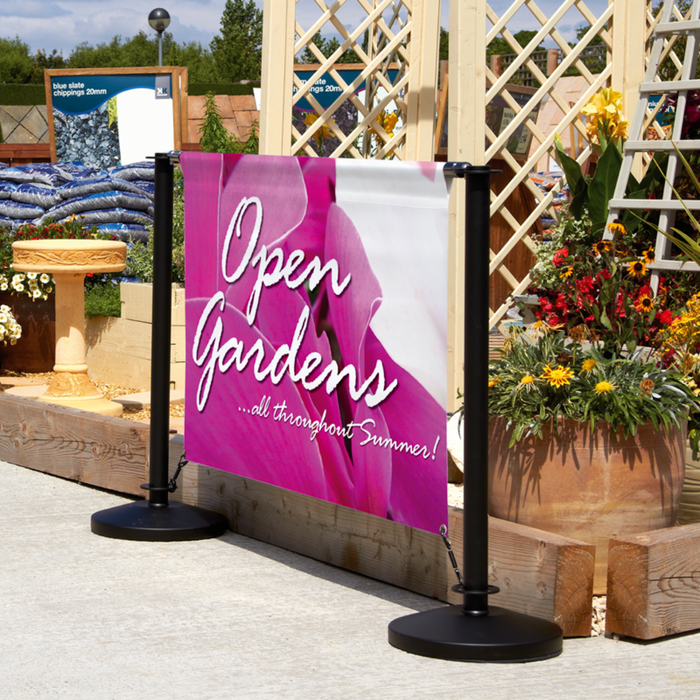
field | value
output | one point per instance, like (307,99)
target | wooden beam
(22,153)
(111,453)
(654,583)
(538,573)
(359,542)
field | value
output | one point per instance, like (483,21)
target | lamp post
(159,19)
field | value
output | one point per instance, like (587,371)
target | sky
(62,24)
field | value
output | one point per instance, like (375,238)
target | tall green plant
(216,139)
(607,130)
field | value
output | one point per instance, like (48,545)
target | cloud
(32,9)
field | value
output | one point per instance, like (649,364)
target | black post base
(174,522)
(500,636)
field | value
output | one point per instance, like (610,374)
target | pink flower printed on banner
(286,381)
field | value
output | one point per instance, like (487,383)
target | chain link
(172,484)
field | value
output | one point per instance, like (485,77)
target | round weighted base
(175,522)
(501,636)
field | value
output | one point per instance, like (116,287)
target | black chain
(172,484)
(453,561)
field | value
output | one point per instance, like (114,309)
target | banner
(316,318)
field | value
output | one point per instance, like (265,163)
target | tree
(142,50)
(16,65)
(501,46)
(444,50)
(237,52)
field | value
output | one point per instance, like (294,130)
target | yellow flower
(649,256)
(604,387)
(323,133)
(646,386)
(644,303)
(637,269)
(604,111)
(588,364)
(493,382)
(558,376)
(566,273)
(387,120)
(601,247)
(617,227)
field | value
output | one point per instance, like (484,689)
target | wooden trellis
(679,78)
(406,33)
(399,34)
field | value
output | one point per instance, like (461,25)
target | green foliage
(501,46)
(444,50)
(542,379)
(592,195)
(13,94)
(237,51)
(215,137)
(139,261)
(102,298)
(328,47)
(16,65)
(223,88)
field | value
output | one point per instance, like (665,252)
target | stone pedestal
(69,261)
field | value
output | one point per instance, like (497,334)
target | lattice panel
(381,40)
(524,122)
(670,69)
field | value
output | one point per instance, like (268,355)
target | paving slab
(21,381)
(85,617)
(142,399)
(31,391)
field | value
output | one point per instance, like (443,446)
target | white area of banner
(410,214)
(145,125)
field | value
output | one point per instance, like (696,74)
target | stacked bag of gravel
(119,201)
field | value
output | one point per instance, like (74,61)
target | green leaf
(602,185)
(572,170)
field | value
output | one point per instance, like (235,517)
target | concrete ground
(87,617)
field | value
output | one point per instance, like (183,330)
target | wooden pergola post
(277,77)
(466,142)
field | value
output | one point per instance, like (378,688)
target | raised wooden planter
(539,573)
(119,349)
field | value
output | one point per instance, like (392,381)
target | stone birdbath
(69,261)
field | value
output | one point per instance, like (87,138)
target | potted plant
(587,411)
(582,442)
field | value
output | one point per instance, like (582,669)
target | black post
(160,338)
(157,520)
(475,631)
(476,367)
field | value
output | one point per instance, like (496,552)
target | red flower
(665,318)
(559,257)
(586,284)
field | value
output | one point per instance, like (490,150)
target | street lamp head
(159,19)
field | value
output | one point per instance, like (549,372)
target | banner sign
(114,116)
(316,318)
(326,90)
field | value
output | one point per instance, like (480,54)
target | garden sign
(106,117)
(317,328)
